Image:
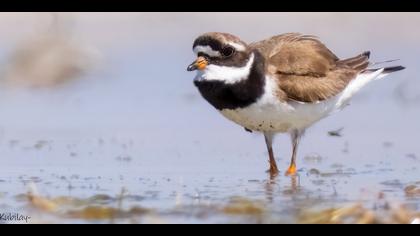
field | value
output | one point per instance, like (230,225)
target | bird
(282,84)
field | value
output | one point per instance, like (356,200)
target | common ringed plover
(283,84)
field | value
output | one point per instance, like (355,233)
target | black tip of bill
(192,67)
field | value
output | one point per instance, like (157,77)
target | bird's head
(221,56)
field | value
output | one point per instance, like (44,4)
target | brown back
(307,71)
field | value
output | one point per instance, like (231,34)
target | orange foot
(292,170)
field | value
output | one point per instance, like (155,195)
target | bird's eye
(228,51)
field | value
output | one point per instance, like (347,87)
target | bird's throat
(235,93)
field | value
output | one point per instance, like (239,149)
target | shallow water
(134,140)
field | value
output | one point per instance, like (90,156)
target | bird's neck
(235,90)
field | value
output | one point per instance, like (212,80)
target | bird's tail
(386,70)
(362,79)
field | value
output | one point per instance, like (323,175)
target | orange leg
(292,170)
(273,165)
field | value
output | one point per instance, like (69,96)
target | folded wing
(307,71)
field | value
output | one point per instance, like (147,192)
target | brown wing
(306,69)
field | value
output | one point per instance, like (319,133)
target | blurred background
(93,88)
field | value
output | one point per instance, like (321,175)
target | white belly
(274,116)
(268,114)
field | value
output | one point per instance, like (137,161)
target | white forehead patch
(206,50)
(227,74)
